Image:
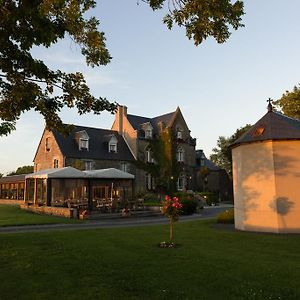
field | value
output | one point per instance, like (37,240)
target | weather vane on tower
(270,107)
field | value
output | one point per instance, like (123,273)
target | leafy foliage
(202,18)
(226,217)
(222,153)
(189,206)
(27,83)
(289,103)
(165,168)
(22,170)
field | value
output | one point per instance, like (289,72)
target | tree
(222,153)
(27,83)
(289,103)
(22,170)
(1,175)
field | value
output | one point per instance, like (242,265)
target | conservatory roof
(69,172)
(108,173)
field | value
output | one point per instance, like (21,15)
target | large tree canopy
(28,83)
(289,103)
(222,153)
(22,170)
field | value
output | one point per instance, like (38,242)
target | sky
(218,87)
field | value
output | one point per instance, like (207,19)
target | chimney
(121,113)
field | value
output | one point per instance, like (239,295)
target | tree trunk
(171,230)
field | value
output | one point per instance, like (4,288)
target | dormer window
(148,133)
(113,148)
(180,154)
(113,144)
(148,129)
(179,134)
(83,144)
(82,139)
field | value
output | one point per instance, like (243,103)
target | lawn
(11,215)
(125,263)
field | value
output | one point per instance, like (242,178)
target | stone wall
(44,158)
(49,210)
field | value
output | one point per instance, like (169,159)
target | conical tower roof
(272,126)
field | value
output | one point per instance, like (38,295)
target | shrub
(209,197)
(189,206)
(226,217)
(151,197)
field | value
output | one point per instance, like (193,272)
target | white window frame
(83,144)
(112,147)
(149,181)
(181,181)
(148,133)
(88,165)
(180,154)
(149,158)
(124,167)
(179,134)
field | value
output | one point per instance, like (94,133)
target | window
(148,133)
(202,163)
(181,183)
(124,167)
(180,155)
(55,163)
(112,147)
(88,165)
(113,144)
(149,181)
(149,157)
(179,134)
(48,144)
(83,144)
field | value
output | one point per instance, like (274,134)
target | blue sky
(219,87)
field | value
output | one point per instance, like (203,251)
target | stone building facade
(121,147)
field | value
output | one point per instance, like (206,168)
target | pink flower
(167,198)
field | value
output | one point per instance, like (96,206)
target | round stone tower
(266,175)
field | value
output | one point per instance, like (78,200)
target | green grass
(11,215)
(125,263)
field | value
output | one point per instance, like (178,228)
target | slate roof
(98,145)
(207,163)
(272,126)
(13,178)
(136,121)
